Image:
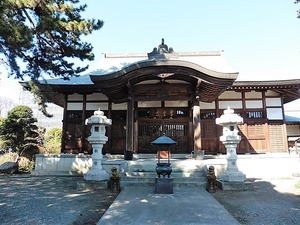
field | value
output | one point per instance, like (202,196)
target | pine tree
(46,36)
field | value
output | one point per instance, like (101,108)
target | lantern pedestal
(232,178)
(97,139)
(163,185)
(230,138)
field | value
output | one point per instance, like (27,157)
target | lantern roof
(164,140)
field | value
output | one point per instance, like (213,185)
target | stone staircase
(185,173)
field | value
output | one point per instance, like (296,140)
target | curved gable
(208,83)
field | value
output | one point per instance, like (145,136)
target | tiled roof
(292,119)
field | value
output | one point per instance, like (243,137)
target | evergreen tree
(298,11)
(20,132)
(45,34)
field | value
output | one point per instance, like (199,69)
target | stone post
(97,139)
(230,138)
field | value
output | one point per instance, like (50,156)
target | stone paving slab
(185,206)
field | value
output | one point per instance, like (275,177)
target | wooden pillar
(64,125)
(83,126)
(109,128)
(129,125)
(197,126)
(264,105)
(244,112)
(217,111)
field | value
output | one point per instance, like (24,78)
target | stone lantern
(164,184)
(97,139)
(230,138)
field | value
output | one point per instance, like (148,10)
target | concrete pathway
(139,205)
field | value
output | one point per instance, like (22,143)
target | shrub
(25,165)
(53,140)
(297,185)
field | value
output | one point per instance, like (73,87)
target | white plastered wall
(231,104)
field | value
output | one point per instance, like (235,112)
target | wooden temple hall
(179,94)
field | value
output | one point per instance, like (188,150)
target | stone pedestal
(163,185)
(97,139)
(232,173)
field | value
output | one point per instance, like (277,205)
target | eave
(212,83)
(288,89)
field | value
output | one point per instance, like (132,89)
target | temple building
(179,94)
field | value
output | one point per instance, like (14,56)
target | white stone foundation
(62,164)
(97,175)
(234,176)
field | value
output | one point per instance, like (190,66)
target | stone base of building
(61,164)
(235,186)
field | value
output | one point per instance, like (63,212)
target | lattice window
(254,114)
(176,130)
(150,130)
(74,115)
(157,130)
(256,131)
(208,115)
(277,138)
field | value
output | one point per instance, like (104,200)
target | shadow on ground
(275,201)
(26,199)
(50,200)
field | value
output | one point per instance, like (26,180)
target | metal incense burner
(164,184)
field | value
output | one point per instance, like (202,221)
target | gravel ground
(50,200)
(55,200)
(273,202)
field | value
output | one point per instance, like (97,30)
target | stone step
(151,183)
(188,165)
(174,174)
(185,173)
(150,179)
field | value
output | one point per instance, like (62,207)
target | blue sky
(260,38)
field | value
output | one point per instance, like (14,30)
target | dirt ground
(55,200)
(50,200)
(273,202)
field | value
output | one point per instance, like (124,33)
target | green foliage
(53,140)
(297,185)
(39,97)
(8,157)
(298,11)
(19,131)
(25,165)
(45,35)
